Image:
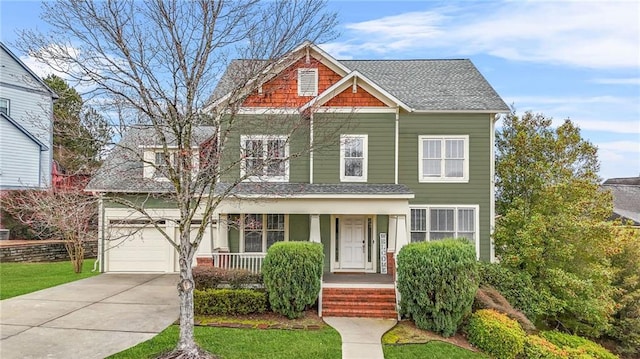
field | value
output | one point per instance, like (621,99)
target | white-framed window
(260,231)
(429,223)
(265,158)
(443,158)
(162,164)
(353,158)
(5,106)
(156,165)
(307,82)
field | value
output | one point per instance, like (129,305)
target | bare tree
(156,63)
(67,215)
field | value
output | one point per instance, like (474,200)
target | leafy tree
(79,131)
(156,63)
(552,223)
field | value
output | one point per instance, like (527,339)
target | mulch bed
(309,321)
(406,332)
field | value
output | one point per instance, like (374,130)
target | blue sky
(577,60)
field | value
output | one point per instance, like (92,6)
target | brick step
(390,298)
(358,291)
(358,305)
(359,313)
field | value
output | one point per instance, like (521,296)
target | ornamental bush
(536,347)
(580,345)
(229,301)
(437,282)
(496,334)
(207,277)
(292,272)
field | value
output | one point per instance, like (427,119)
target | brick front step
(359,302)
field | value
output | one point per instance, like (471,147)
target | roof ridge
(389,60)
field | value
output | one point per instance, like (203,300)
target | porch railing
(249,261)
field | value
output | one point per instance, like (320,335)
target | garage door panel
(137,250)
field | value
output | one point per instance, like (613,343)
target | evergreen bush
(207,277)
(536,347)
(229,301)
(496,334)
(292,273)
(437,282)
(579,344)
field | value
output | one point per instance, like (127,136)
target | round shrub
(536,347)
(229,301)
(292,272)
(496,334)
(437,282)
(579,344)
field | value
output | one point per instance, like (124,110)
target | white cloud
(620,146)
(619,158)
(585,34)
(618,81)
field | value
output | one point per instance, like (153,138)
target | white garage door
(137,249)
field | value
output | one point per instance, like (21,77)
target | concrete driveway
(89,318)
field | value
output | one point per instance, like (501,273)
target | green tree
(553,220)
(79,131)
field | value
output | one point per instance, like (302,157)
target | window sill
(353,179)
(443,180)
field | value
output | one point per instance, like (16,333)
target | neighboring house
(415,163)
(26,124)
(626,198)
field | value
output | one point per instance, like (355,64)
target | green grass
(431,350)
(22,278)
(232,343)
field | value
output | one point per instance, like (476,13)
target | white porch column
(401,239)
(314,228)
(393,233)
(223,234)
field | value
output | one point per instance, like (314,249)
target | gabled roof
(626,197)
(422,85)
(17,125)
(28,70)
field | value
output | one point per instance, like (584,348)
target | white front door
(352,242)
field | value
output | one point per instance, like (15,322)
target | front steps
(359,302)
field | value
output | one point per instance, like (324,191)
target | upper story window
(265,158)
(443,159)
(162,162)
(439,222)
(261,231)
(5,106)
(307,82)
(157,162)
(353,158)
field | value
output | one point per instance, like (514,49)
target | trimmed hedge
(536,347)
(229,301)
(583,348)
(496,334)
(292,273)
(206,277)
(437,282)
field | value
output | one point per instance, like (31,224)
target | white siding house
(26,121)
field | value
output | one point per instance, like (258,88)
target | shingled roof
(626,197)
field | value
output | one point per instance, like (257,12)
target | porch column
(314,228)
(393,233)
(223,233)
(401,239)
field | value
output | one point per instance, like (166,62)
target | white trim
(396,144)
(302,70)
(263,229)
(266,111)
(150,167)
(265,139)
(492,188)
(311,148)
(368,267)
(8,101)
(365,158)
(371,109)
(443,178)
(460,111)
(325,196)
(455,207)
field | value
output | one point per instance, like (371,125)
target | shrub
(582,345)
(490,298)
(206,277)
(229,301)
(516,287)
(536,347)
(437,283)
(292,272)
(496,334)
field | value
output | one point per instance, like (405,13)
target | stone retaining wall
(41,251)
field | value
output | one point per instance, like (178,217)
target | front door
(352,242)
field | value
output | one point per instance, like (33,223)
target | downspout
(396,141)
(102,226)
(311,148)
(492,188)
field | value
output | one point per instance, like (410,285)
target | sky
(566,59)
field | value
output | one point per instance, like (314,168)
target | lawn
(431,350)
(22,278)
(234,343)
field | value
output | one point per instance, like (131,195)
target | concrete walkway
(89,318)
(361,337)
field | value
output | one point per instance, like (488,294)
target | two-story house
(26,122)
(410,158)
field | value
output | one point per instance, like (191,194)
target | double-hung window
(260,231)
(157,161)
(443,158)
(265,158)
(162,162)
(4,106)
(439,222)
(353,158)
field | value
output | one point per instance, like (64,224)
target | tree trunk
(187,343)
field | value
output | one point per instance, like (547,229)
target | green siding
(380,129)
(299,227)
(325,239)
(477,190)
(382,226)
(148,201)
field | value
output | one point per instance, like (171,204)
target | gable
(359,98)
(15,73)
